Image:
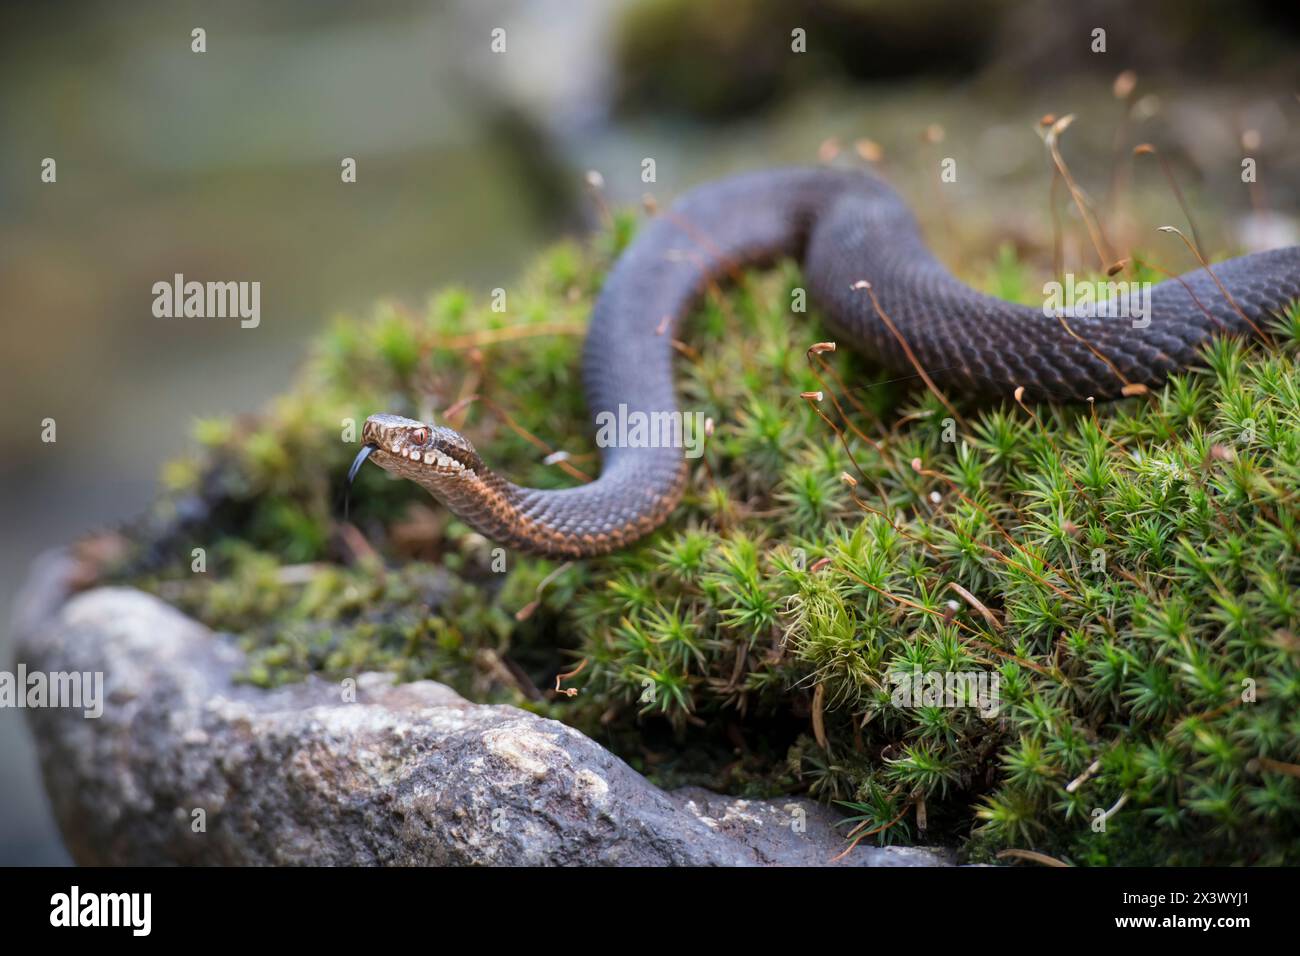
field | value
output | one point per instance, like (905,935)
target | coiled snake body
(845,227)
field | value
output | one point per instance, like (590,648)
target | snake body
(846,228)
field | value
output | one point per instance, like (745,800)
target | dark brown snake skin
(844,227)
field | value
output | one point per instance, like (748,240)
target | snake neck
(603,516)
(628,357)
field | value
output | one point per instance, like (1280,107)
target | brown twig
(569,691)
(1033,856)
(1095,233)
(1226,294)
(1146,149)
(864,285)
(522,432)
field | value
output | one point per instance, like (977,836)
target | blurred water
(221,166)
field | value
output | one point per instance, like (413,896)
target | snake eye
(420,436)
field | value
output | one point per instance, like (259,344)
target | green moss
(1133,570)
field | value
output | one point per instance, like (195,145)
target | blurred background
(225,165)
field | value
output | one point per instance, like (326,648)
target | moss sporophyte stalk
(1120,580)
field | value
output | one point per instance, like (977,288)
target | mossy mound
(1128,572)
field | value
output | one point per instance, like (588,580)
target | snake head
(415,450)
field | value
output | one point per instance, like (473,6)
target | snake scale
(845,228)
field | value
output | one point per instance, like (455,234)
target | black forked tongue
(357,462)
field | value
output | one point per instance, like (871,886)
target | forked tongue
(357,462)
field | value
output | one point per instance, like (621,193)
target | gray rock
(409,774)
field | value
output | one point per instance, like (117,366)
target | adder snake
(845,228)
